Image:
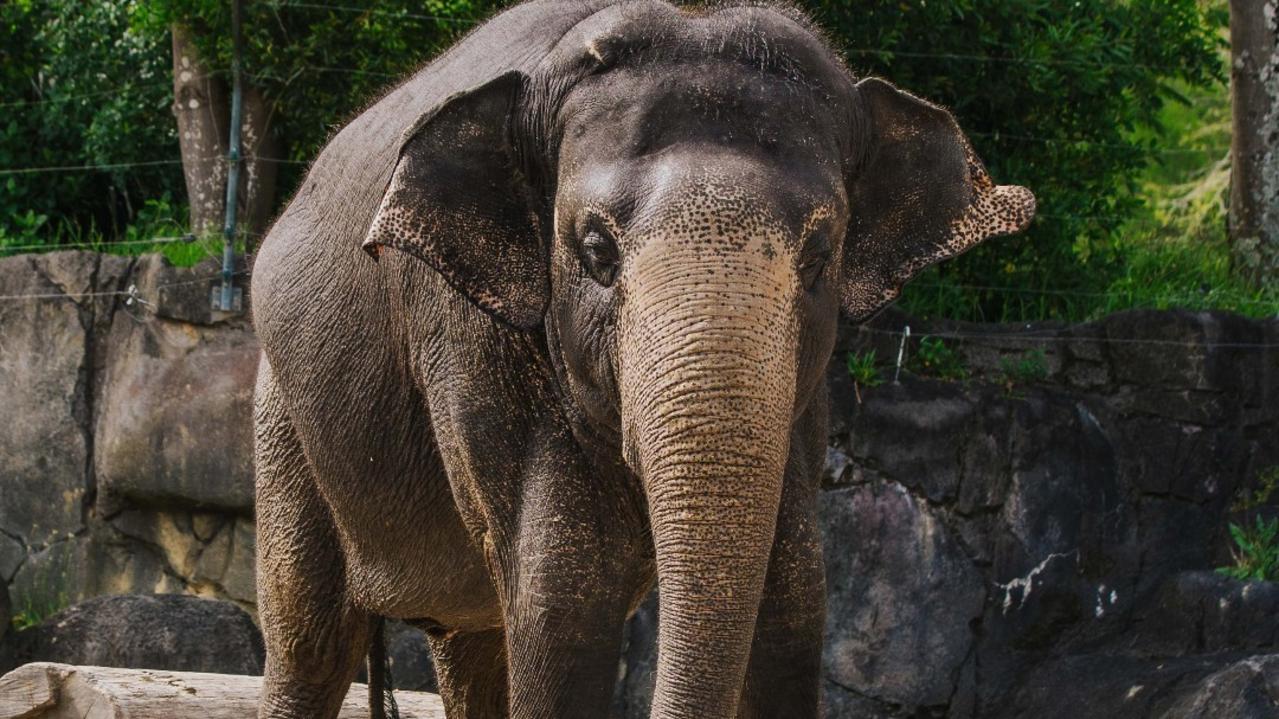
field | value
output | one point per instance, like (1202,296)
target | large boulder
(167,631)
(901,599)
(1128,687)
(1246,689)
(176,424)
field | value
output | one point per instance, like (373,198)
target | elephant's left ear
(921,196)
(458,202)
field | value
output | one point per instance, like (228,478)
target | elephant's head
(685,200)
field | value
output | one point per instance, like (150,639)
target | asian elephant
(548,323)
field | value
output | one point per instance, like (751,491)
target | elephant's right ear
(458,202)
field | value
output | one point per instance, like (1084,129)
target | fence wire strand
(112,293)
(1037,336)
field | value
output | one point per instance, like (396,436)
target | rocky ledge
(1032,535)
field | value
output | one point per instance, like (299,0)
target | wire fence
(1047,336)
(859,51)
(130,292)
(98,245)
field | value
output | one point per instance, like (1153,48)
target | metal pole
(233,158)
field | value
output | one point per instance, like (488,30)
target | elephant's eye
(815,257)
(599,257)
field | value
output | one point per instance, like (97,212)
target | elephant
(547,325)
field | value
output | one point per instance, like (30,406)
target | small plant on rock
(933,358)
(864,371)
(1256,550)
(33,610)
(1030,367)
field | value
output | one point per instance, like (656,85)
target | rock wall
(977,530)
(125,462)
(993,544)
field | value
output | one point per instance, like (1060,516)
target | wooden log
(60,691)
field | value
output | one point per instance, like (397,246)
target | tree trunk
(202,105)
(1254,152)
(62,691)
(262,153)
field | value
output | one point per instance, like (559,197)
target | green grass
(159,218)
(33,611)
(1031,366)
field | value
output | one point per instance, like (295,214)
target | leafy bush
(317,63)
(933,358)
(1030,366)
(1075,100)
(1052,96)
(79,87)
(863,370)
(1256,550)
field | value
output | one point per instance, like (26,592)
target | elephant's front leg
(568,570)
(784,675)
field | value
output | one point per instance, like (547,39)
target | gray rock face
(637,673)
(1247,689)
(6,611)
(126,409)
(172,632)
(409,657)
(995,548)
(1085,503)
(49,359)
(176,398)
(901,597)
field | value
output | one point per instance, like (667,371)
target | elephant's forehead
(769,38)
(637,111)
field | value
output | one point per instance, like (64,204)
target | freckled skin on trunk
(708,377)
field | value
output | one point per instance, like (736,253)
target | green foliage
(933,358)
(1079,101)
(863,370)
(1052,95)
(43,592)
(1256,550)
(32,611)
(1267,483)
(157,219)
(317,65)
(79,87)
(1029,367)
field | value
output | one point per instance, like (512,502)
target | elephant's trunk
(708,387)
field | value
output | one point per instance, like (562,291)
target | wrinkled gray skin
(610,244)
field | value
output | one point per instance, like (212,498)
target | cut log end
(60,691)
